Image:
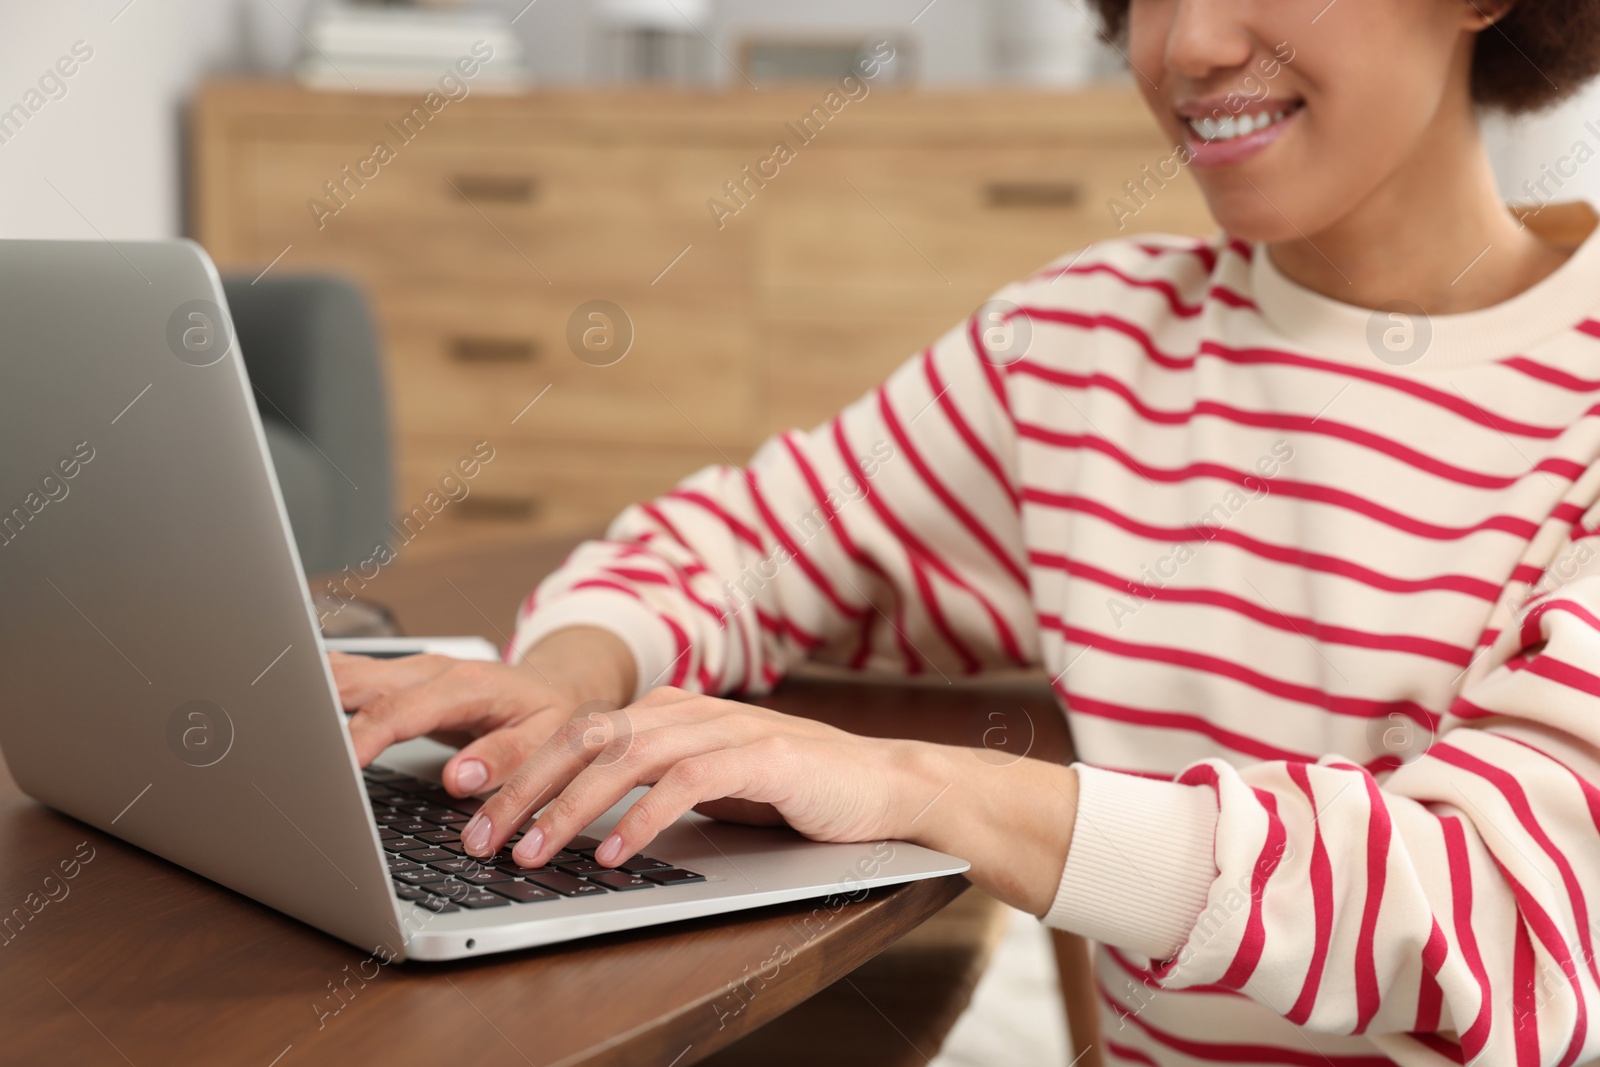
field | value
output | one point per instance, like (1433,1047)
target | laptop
(165,680)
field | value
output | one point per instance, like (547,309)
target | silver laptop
(164,679)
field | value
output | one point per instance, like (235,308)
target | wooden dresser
(480,237)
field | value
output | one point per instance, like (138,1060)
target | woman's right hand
(503,712)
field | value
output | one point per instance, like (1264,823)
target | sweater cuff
(650,641)
(1141,862)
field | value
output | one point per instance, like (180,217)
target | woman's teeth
(1232,126)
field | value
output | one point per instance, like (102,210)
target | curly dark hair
(1538,54)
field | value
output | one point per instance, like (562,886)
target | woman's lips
(1235,150)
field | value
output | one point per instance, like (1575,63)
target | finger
(711,776)
(544,774)
(451,699)
(639,760)
(363,679)
(488,761)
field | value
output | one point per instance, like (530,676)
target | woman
(1312,569)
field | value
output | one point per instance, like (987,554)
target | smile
(1231,127)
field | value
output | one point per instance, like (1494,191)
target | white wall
(112,144)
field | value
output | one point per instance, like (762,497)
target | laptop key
(437,905)
(400,863)
(621,881)
(386,834)
(481,898)
(521,892)
(581,868)
(586,845)
(672,876)
(513,868)
(415,826)
(483,876)
(421,876)
(439,837)
(421,854)
(565,884)
(640,864)
(447,817)
(401,844)
(389,818)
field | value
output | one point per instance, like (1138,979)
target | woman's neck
(1435,235)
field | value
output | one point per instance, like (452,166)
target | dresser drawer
(901,218)
(553,215)
(470,360)
(526,488)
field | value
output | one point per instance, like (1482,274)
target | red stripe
(717,511)
(1476,1035)
(818,578)
(1274,420)
(936,486)
(912,662)
(1321,873)
(1430,995)
(1553,375)
(991,374)
(1356,707)
(1251,945)
(925,592)
(1152,981)
(1231,1052)
(1451,402)
(1507,785)
(1245,744)
(1379,831)
(1523,529)
(919,553)
(1132,1055)
(1591,793)
(1199,249)
(1161,285)
(1296,624)
(1464,584)
(1535,918)
(964,430)
(1562,673)
(1524,999)
(1449,1050)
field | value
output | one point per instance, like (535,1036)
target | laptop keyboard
(420,827)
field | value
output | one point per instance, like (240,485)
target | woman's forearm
(1012,822)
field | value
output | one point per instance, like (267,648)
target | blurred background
(597,221)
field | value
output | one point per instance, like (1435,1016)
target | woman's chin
(1250,217)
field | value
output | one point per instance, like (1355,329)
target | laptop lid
(164,675)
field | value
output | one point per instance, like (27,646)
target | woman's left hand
(728,760)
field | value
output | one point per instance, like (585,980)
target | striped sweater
(1325,625)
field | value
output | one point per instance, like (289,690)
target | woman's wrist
(1013,821)
(585,664)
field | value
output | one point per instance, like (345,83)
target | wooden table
(143,963)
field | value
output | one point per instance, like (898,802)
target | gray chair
(312,354)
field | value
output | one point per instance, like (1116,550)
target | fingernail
(476,835)
(471,775)
(527,850)
(609,852)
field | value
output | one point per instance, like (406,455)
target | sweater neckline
(1407,340)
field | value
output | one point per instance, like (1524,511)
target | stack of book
(396,48)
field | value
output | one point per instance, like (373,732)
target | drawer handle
(484,507)
(499,188)
(1034,194)
(493,350)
